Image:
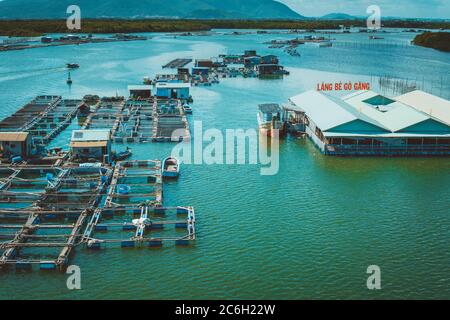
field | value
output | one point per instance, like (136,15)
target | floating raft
(48,208)
(74,206)
(177,63)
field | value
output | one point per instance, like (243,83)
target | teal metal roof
(393,116)
(323,111)
(353,114)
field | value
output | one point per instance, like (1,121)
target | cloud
(398,8)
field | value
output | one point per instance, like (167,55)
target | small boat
(171,167)
(269,119)
(187,109)
(123,155)
(69,79)
(72,65)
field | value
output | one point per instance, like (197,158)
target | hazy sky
(397,8)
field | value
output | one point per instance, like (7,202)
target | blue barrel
(47,266)
(180,225)
(16,159)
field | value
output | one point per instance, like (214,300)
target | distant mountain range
(141,9)
(339,16)
(201,9)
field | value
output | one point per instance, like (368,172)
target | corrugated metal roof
(90,135)
(324,112)
(433,106)
(396,116)
(386,135)
(329,112)
(88,144)
(174,85)
(13,136)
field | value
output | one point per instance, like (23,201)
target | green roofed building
(367,123)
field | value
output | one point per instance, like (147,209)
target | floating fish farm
(85,196)
(53,203)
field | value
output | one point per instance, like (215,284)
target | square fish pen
(27,116)
(136,122)
(54,121)
(44,210)
(133,210)
(106,114)
(170,122)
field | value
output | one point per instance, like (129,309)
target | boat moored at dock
(171,168)
(269,120)
(187,109)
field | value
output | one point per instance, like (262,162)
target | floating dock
(177,63)
(170,122)
(50,207)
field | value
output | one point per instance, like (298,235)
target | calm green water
(310,231)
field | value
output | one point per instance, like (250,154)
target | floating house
(202,71)
(91,144)
(269,119)
(270,69)
(140,91)
(269,59)
(177,90)
(250,62)
(14,144)
(183,71)
(231,58)
(183,74)
(206,63)
(366,123)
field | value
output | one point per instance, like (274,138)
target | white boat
(187,109)
(171,167)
